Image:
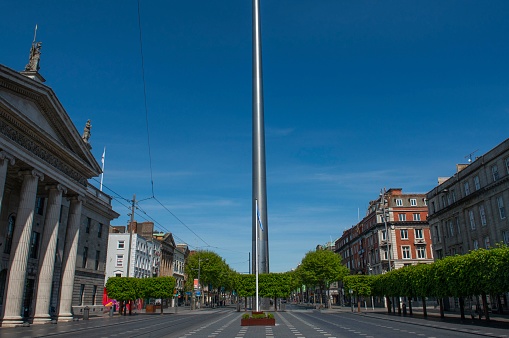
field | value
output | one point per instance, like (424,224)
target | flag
(102,158)
(258,216)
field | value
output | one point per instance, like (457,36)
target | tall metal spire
(259,176)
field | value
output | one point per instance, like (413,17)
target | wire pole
(130,234)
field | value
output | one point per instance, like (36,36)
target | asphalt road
(225,322)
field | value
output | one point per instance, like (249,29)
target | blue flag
(258,216)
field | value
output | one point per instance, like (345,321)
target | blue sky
(359,95)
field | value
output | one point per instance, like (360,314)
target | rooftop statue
(34,58)
(86,132)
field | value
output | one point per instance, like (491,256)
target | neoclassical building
(53,224)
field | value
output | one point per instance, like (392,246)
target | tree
(275,285)
(157,287)
(211,268)
(245,286)
(321,268)
(123,289)
(360,285)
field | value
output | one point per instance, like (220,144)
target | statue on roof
(86,132)
(35,55)
(34,58)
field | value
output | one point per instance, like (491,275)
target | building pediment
(31,116)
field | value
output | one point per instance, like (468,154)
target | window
(440,255)
(494,173)
(476,244)
(405,250)
(425,202)
(82,293)
(88,224)
(34,244)
(120,260)
(121,244)
(404,233)
(451,229)
(386,253)
(413,202)
(472,219)
(458,229)
(477,183)
(487,242)
(94,294)
(85,257)
(399,202)
(433,206)
(505,237)
(467,188)
(417,217)
(39,206)
(453,194)
(100,230)
(421,252)
(437,233)
(118,275)
(482,214)
(384,235)
(97,256)
(8,236)
(449,199)
(418,234)
(402,217)
(507,165)
(501,209)
(443,202)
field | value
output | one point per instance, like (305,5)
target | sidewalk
(496,320)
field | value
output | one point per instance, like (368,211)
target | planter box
(258,321)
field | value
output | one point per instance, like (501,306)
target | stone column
(69,259)
(18,260)
(48,250)
(5,159)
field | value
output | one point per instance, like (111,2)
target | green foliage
(157,287)
(244,285)
(275,285)
(360,284)
(245,316)
(321,268)
(270,315)
(258,316)
(123,288)
(212,268)
(478,272)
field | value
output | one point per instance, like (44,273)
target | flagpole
(102,174)
(256,264)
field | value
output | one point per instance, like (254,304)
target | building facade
(468,210)
(143,262)
(167,253)
(179,261)
(394,233)
(53,224)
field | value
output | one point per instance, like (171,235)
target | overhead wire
(145,99)
(142,213)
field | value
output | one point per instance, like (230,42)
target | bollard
(111,311)
(86,313)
